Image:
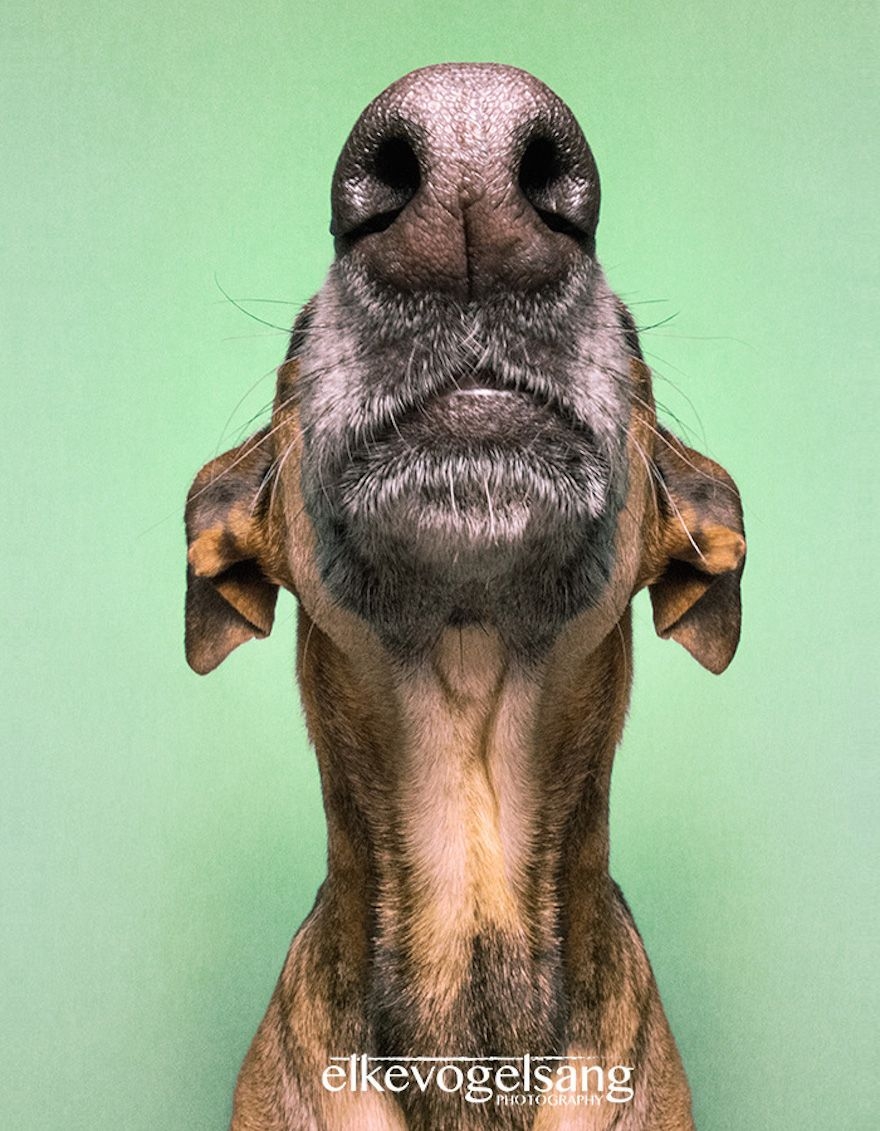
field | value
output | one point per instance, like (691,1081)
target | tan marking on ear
(723,549)
(206,555)
(242,526)
(710,546)
(234,540)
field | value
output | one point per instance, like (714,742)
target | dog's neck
(467,809)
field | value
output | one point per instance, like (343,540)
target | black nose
(467,178)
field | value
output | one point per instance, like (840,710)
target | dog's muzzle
(461,380)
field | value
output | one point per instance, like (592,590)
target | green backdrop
(162,835)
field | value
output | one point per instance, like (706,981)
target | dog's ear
(229,599)
(696,590)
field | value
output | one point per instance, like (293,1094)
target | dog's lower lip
(477,408)
(476,382)
(474,409)
(477,391)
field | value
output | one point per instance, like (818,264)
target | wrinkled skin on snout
(464,431)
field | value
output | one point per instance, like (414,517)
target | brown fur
(468,907)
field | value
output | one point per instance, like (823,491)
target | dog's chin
(479,506)
(460,541)
(472,485)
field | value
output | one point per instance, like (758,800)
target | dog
(464,483)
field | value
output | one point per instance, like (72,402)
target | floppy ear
(696,596)
(229,599)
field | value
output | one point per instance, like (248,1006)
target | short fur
(464,483)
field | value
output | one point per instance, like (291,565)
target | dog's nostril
(539,167)
(396,165)
(393,179)
(542,171)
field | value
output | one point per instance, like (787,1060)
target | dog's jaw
(495,502)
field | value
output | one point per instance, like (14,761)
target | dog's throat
(473,954)
(468,848)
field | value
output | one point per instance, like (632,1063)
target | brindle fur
(465,760)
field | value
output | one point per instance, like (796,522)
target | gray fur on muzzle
(463,374)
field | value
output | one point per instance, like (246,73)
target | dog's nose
(468,179)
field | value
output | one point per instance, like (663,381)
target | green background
(162,835)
